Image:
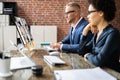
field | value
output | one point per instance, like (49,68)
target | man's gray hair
(73,4)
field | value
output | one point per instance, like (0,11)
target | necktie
(73,30)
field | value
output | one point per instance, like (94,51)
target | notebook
(26,43)
(23,30)
(20,62)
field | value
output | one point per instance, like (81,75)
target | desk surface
(77,62)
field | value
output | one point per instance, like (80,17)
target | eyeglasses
(89,12)
(69,12)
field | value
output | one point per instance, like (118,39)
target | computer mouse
(54,53)
(37,70)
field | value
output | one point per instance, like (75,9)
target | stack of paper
(83,74)
(53,60)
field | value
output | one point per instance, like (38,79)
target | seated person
(84,37)
(104,49)
(71,42)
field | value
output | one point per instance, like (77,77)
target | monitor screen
(24,32)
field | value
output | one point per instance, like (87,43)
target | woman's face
(94,16)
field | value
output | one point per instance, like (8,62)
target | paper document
(83,74)
(21,63)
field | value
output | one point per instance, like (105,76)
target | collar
(77,22)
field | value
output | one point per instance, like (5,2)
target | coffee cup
(5,66)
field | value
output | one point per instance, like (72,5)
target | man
(71,42)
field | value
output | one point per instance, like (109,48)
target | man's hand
(55,45)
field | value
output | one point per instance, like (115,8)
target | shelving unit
(7,32)
(7,29)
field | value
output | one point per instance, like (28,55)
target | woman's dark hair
(106,6)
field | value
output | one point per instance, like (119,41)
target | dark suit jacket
(70,45)
(107,49)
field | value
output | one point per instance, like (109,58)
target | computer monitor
(24,32)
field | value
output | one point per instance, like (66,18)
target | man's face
(70,14)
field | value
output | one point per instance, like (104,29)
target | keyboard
(53,60)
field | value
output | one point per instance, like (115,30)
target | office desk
(72,61)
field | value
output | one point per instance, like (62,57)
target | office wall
(51,12)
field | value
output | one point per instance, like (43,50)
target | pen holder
(5,66)
(37,70)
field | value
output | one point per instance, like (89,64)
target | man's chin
(69,22)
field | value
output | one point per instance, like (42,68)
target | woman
(104,49)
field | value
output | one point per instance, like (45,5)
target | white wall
(6,32)
(39,33)
(44,34)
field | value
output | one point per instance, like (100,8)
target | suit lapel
(79,25)
(105,32)
(71,35)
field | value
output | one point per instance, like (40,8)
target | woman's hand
(85,56)
(86,29)
(93,29)
(89,27)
